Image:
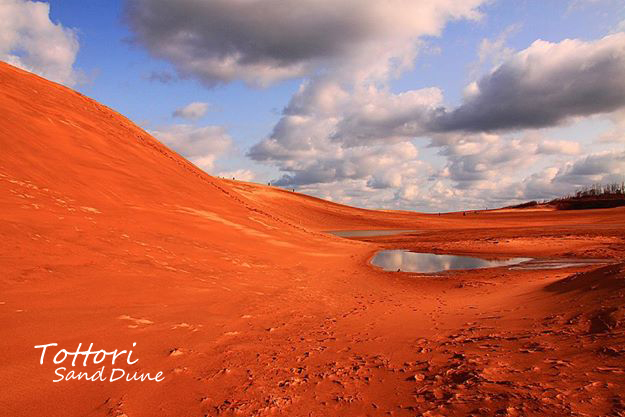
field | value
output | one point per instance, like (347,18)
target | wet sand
(236,294)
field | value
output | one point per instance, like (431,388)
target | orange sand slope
(234,293)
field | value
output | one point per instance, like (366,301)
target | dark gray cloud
(222,40)
(263,41)
(230,34)
(543,85)
(382,116)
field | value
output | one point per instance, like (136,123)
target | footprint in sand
(176,352)
(184,325)
(137,322)
(90,209)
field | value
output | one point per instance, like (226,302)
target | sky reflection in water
(392,260)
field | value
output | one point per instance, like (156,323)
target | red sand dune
(234,293)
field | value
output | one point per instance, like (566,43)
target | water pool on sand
(407,261)
(393,260)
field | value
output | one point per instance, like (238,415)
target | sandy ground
(234,292)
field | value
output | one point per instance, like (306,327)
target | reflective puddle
(406,261)
(366,233)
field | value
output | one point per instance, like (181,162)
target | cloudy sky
(428,105)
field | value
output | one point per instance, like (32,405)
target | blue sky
(417,162)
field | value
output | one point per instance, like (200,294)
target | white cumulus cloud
(31,41)
(201,145)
